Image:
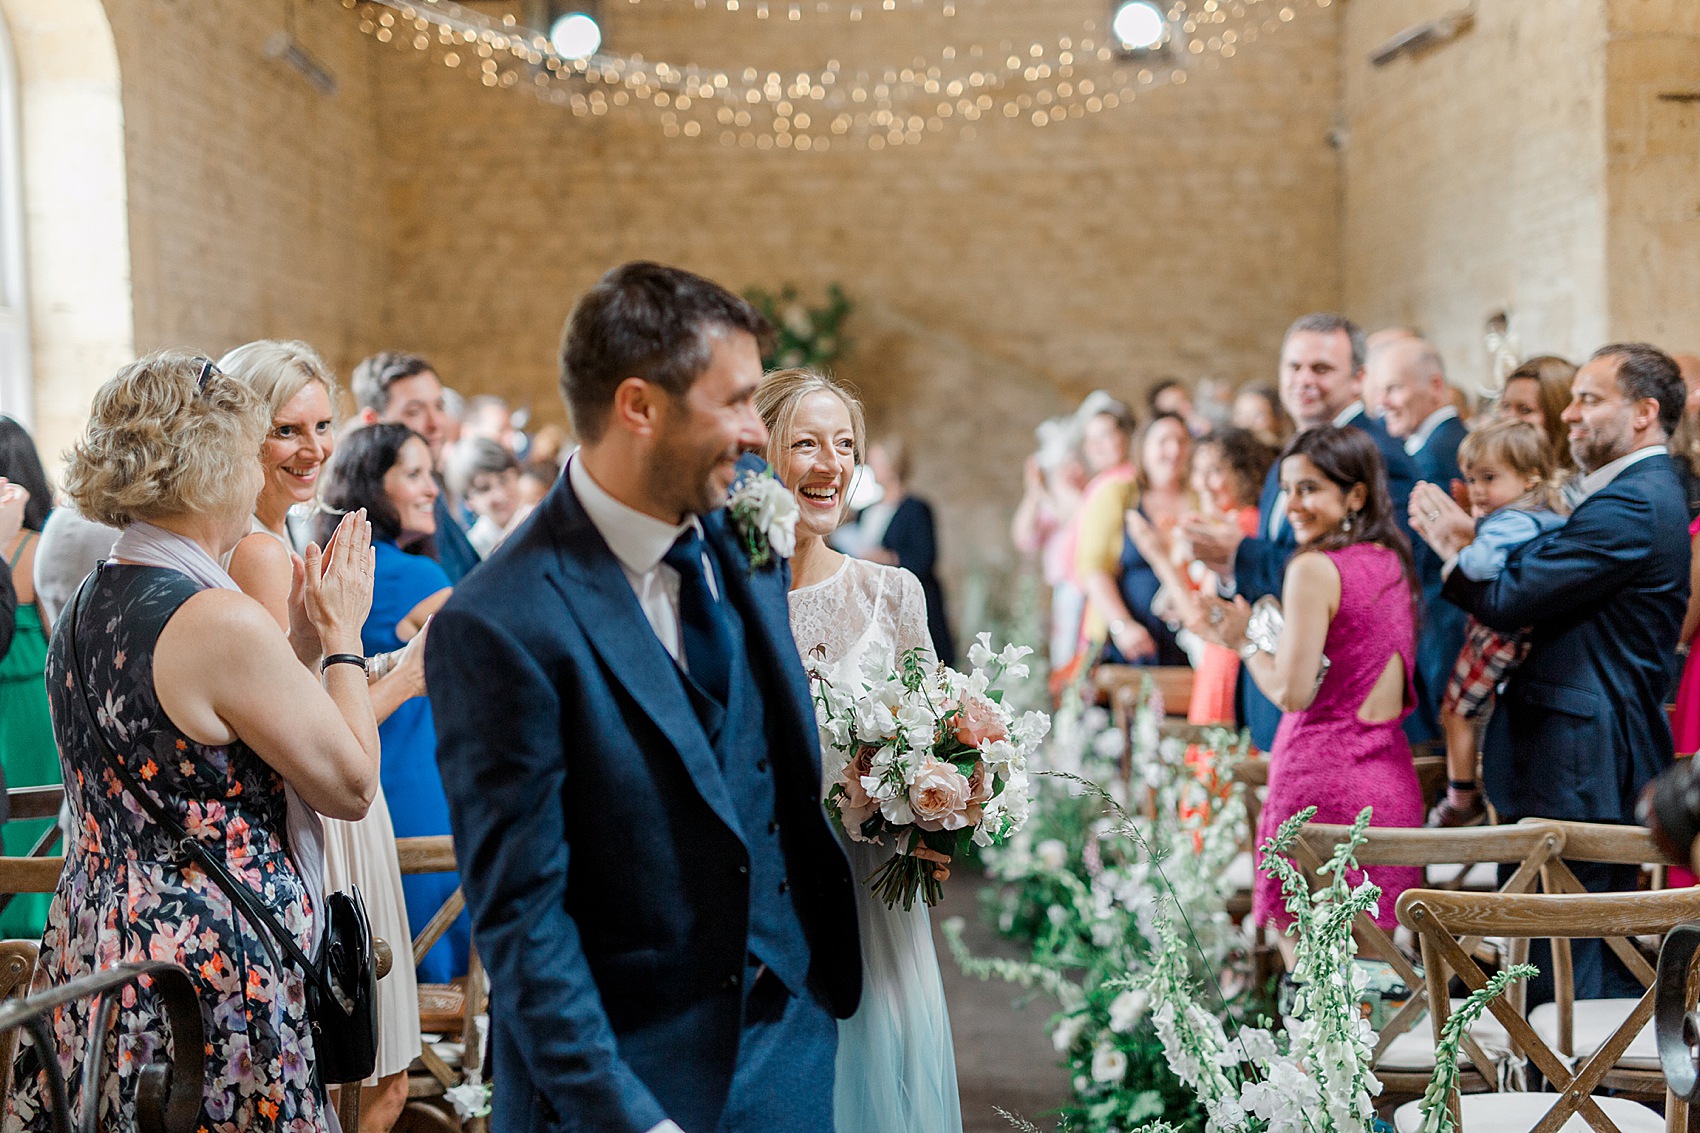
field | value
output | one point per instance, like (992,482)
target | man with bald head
(1418,411)
(1374,385)
(1417,406)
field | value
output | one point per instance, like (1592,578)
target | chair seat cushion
(1593,1023)
(1481,877)
(1516,1113)
(1414,1050)
(1239,873)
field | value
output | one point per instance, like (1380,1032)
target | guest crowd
(1505,583)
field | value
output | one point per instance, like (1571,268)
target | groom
(630,755)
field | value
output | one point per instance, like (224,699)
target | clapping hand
(1443,525)
(1214,542)
(1222,622)
(337,590)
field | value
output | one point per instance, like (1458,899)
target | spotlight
(1139,25)
(575,35)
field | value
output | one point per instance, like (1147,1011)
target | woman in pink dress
(1349,596)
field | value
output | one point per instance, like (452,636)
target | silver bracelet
(381,665)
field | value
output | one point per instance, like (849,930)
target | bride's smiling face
(818,463)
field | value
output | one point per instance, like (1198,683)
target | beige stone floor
(1003,1052)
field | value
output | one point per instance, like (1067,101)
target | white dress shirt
(639,541)
(1415,442)
(1605,474)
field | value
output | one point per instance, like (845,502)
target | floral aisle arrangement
(1096,875)
(1315,1076)
(804,335)
(928,759)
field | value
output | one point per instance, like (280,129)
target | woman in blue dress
(386,469)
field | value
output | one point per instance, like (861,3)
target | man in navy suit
(1322,368)
(404,389)
(630,753)
(1581,725)
(1420,415)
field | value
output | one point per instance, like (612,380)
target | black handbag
(342,987)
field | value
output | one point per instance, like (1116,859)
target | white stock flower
(1127,1009)
(1067,1032)
(1109,1065)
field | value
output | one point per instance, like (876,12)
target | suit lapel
(759,596)
(595,589)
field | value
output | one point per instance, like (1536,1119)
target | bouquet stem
(904,877)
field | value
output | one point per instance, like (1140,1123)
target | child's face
(1492,486)
(494,495)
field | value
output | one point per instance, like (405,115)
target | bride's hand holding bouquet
(927,759)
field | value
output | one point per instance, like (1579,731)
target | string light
(1041,83)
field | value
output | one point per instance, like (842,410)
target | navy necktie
(705,635)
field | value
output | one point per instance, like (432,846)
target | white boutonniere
(765,515)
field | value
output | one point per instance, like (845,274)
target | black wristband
(343,659)
(1461,784)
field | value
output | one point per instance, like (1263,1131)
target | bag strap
(239,894)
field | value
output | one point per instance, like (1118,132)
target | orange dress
(1216,679)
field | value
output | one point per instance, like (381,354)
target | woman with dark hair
(386,469)
(909,538)
(27,753)
(1341,666)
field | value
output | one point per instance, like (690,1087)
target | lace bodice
(864,606)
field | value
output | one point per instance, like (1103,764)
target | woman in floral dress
(192,684)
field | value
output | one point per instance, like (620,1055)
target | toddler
(1510,471)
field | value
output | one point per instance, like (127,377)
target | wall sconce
(1425,37)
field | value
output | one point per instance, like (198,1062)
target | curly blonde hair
(157,446)
(277,370)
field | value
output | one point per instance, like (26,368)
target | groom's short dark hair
(649,321)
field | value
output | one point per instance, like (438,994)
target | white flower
(1127,1009)
(980,653)
(1052,854)
(1109,1065)
(765,509)
(797,321)
(1067,1031)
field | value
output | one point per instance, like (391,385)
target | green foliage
(804,335)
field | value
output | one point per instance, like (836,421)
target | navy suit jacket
(598,842)
(1440,638)
(1581,726)
(1437,460)
(1260,567)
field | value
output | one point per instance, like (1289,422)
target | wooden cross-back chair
(37,872)
(1445,921)
(1406,1066)
(1577,1027)
(436,854)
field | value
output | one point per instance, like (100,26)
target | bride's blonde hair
(778,397)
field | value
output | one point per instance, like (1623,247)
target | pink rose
(940,797)
(980,786)
(856,807)
(977,722)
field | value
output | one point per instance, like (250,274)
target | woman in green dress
(27,751)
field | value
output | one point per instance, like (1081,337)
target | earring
(1347,524)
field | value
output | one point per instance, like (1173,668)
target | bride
(896,1070)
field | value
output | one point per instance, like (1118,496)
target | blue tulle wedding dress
(896,1068)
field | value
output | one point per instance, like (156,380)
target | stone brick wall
(256,202)
(1475,177)
(1653,171)
(996,279)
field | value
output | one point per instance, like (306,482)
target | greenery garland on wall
(804,335)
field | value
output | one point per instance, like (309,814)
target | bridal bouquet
(927,758)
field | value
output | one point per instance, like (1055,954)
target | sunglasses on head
(207,371)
